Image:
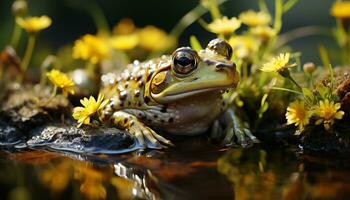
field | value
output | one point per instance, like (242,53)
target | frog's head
(191,73)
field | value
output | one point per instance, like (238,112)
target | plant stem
(190,18)
(293,81)
(90,68)
(98,16)
(263,6)
(214,10)
(54,92)
(278,16)
(28,53)
(16,35)
(286,90)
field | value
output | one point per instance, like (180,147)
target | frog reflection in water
(186,93)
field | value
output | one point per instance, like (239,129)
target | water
(194,169)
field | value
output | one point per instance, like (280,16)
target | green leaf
(324,56)
(308,94)
(264,106)
(195,43)
(322,90)
(263,6)
(190,18)
(286,90)
(289,4)
(263,99)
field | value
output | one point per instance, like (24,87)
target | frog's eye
(221,47)
(184,61)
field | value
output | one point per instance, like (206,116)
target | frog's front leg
(144,135)
(234,130)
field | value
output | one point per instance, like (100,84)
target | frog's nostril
(221,65)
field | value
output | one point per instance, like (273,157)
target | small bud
(19,8)
(309,67)
(284,72)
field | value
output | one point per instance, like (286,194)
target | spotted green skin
(152,96)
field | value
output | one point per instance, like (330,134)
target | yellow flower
(34,24)
(252,18)
(124,42)
(341,9)
(92,48)
(91,106)
(278,64)
(125,26)
(243,46)
(62,81)
(263,32)
(327,112)
(224,25)
(155,39)
(298,114)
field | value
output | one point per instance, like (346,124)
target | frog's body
(180,94)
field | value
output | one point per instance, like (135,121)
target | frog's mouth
(212,82)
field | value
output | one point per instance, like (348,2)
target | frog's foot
(145,136)
(235,132)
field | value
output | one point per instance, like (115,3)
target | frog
(186,93)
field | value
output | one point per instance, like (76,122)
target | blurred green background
(70,20)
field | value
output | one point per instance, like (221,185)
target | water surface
(194,169)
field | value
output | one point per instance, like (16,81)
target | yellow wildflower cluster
(247,43)
(61,81)
(124,42)
(125,37)
(91,107)
(224,25)
(243,46)
(263,32)
(325,112)
(34,24)
(154,39)
(91,48)
(253,18)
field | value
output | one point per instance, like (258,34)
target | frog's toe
(153,142)
(235,136)
(147,138)
(137,132)
(249,134)
(161,139)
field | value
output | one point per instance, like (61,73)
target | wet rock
(26,107)
(9,135)
(335,142)
(29,117)
(65,137)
